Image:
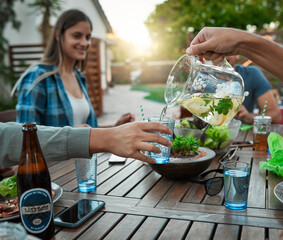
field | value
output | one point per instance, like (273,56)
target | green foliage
(49,7)
(7,15)
(188,145)
(224,105)
(156,92)
(46,8)
(8,187)
(169,23)
(186,124)
(216,136)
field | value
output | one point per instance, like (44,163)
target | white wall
(29,34)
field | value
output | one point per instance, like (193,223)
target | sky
(127,18)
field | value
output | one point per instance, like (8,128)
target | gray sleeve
(56,143)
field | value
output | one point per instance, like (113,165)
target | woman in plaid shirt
(53,92)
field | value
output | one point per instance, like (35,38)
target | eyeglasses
(213,185)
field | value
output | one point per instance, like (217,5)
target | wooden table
(140,204)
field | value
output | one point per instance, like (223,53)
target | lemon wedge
(196,105)
(217,119)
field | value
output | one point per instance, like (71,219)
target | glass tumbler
(262,127)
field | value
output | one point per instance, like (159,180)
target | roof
(103,16)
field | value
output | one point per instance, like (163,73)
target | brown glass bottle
(34,187)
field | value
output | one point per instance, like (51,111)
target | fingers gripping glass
(213,185)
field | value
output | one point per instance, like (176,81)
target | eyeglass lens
(214,185)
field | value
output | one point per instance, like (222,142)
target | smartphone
(77,214)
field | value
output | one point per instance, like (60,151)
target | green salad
(216,137)
(8,187)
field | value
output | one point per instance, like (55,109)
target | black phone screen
(79,210)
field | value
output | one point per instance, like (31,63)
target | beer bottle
(34,187)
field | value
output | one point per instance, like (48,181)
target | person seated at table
(129,140)
(259,92)
(53,92)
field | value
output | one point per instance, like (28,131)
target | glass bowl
(215,138)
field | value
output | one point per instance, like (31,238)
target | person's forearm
(263,52)
(96,140)
(56,143)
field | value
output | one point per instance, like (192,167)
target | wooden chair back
(93,77)
(22,56)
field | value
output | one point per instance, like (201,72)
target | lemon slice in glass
(196,105)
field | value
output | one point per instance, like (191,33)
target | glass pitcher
(210,92)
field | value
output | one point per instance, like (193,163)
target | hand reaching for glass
(129,140)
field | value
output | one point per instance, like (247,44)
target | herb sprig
(185,145)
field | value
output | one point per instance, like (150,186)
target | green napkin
(275,164)
(245,127)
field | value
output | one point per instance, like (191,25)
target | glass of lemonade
(210,92)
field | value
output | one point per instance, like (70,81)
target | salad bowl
(217,138)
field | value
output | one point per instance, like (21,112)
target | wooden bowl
(184,168)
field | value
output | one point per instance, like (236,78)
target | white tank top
(80,108)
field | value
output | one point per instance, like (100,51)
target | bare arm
(272,109)
(215,43)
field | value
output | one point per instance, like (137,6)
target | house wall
(29,34)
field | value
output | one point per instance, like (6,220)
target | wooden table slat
(200,231)
(150,229)
(175,229)
(126,227)
(253,233)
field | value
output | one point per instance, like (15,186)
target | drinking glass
(86,171)
(262,127)
(164,156)
(210,92)
(15,231)
(236,184)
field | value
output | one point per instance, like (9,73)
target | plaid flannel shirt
(47,103)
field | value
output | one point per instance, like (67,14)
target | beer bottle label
(36,209)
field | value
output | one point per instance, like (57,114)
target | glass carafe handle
(226,65)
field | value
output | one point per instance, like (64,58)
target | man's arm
(56,143)
(215,43)
(127,140)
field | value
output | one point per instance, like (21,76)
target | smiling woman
(53,92)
